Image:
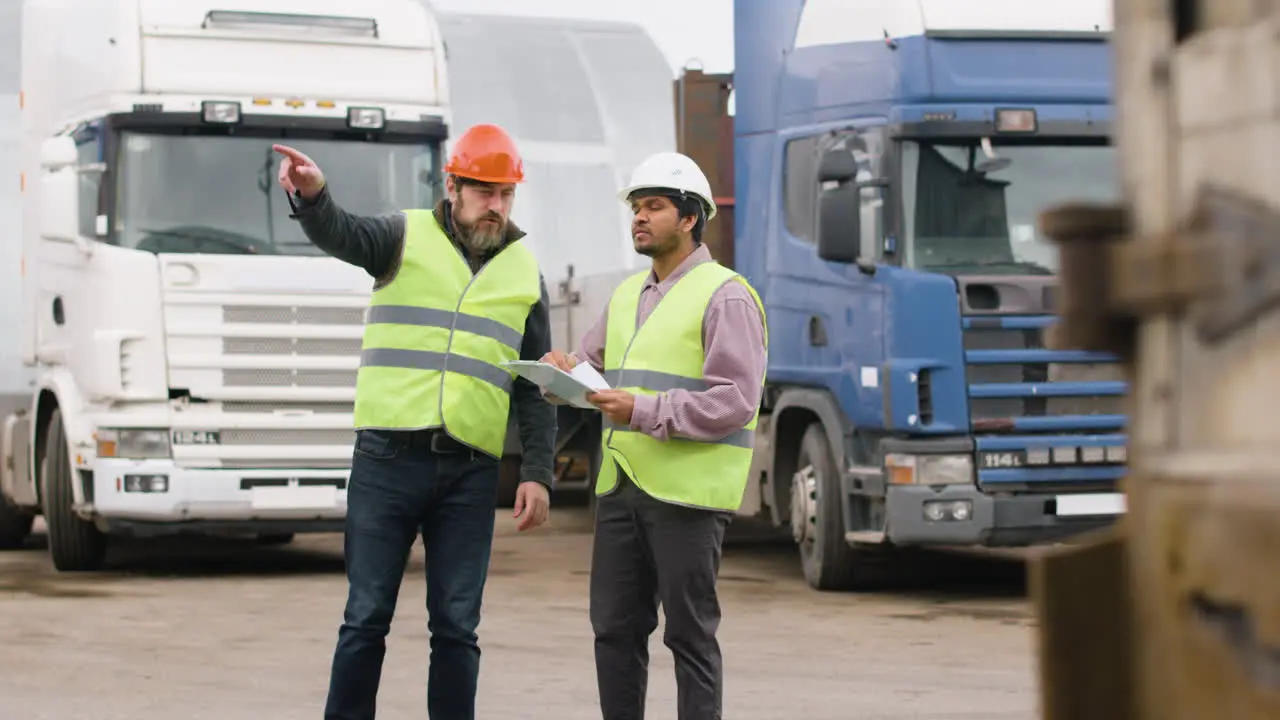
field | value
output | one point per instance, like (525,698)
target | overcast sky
(682,29)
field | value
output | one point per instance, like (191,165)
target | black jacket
(375,244)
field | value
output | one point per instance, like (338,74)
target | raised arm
(372,243)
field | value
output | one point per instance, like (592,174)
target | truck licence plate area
(293,493)
(1090,504)
(295,496)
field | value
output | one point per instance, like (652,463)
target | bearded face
(481,212)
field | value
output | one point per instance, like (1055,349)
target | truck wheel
(817,523)
(15,525)
(74,543)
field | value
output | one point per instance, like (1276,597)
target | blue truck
(890,161)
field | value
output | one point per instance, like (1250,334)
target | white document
(572,387)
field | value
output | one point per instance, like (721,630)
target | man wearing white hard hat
(683,345)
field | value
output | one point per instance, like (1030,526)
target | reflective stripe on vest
(436,336)
(666,354)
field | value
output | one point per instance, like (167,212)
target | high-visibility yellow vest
(666,353)
(436,336)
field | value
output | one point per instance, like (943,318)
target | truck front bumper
(160,497)
(922,515)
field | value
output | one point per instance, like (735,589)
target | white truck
(192,356)
(586,101)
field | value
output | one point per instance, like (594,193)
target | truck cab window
(966,213)
(800,187)
(91,186)
(238,208)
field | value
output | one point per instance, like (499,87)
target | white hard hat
(671,171)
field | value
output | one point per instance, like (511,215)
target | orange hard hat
(488,154)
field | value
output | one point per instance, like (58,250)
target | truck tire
(15,525)
(817,522)
(75,545)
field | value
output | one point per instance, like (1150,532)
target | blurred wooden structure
(1174,614)
(704,132)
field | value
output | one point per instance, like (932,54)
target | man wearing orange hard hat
(456,293)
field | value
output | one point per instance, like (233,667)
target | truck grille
(292,315)
(288,436)
(272,372)
(318,408)
(342,347)
(1012,376)
(283,378)
(1043,420)
(286,346)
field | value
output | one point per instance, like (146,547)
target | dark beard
(654,249)
(480,240)
(483,241)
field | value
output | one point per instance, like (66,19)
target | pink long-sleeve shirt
(733,340)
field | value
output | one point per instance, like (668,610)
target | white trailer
(15,378)
(193,356)
(586,101)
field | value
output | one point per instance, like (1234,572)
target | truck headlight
(929,469)
(366,118)
(220,113)
(132,443)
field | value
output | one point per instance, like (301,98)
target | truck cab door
(826,263)
(89,293)
(70,222)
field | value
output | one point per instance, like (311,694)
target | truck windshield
(965,214)
(218,194)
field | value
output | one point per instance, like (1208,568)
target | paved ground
(227,630)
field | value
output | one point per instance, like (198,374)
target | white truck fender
(59,382)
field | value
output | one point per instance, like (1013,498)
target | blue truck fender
(794,411)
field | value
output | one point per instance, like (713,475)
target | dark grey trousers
(645,552)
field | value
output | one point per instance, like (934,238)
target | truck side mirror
(57,153)
(837,165)
(60,192)
(839,220)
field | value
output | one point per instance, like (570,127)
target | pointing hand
(299,172)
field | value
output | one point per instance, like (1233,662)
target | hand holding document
(572,386)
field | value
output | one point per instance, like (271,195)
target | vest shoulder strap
(695,289)
(626,298)
(419,220)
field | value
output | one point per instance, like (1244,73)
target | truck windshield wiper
(1034,268)
(205,239)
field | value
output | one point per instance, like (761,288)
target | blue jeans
(400,487)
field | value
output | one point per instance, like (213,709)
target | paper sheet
(572,387)
(587,375)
